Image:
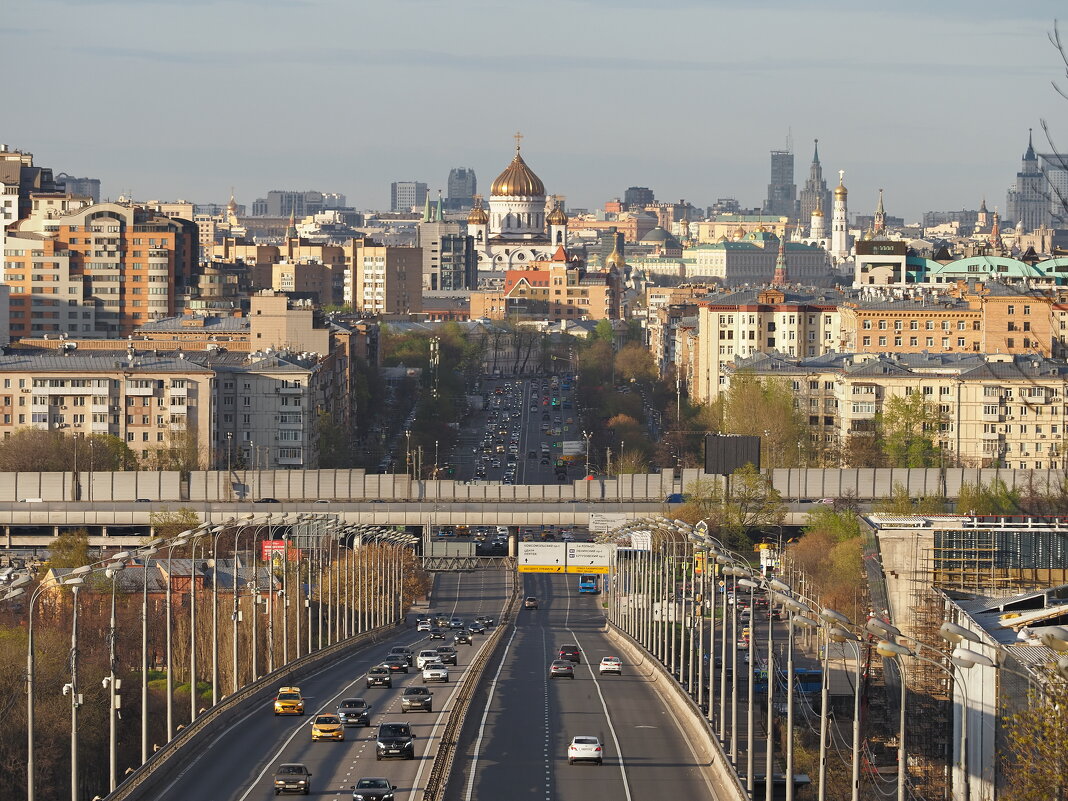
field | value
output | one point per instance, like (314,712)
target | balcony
(991,435)
(289,390)
(992,418)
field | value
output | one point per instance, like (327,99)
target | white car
(611,664)
(584,748)
(424,625)
(427,657)
(435,671)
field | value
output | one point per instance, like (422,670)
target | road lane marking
(485,715)
(604,705)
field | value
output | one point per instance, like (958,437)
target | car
(423,625)
(437,633)
(327,727)
(456,623)
(530,602)
(372,789)
(401,650)
(441,621)
(397,664)
(561,668)
(435,671)
(394,740)
(532,454)
(447,655)
(380,677)
(544,460)
(462,638)
(571,653)
(289,701)
(567,536)
(611,664)
(417,698)
(476,628)
(292,777)
(354,712)
(425,657)
(585,748)
(266,500)
(485,620)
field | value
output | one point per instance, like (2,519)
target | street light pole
(178,541)
(75,702)
(146,553)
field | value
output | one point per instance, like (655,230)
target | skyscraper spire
(1030,154)
(426,210)
(291,230)
(816,152)
(440,213)
(879,222)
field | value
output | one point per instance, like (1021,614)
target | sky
(931,101)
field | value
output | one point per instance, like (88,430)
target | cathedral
(519,227)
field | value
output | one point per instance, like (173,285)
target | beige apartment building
(385,280)
(1002,410)
(739,324)
(94,270)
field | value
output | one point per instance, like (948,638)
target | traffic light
(698,563)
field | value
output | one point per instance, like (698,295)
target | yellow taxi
(327,727)
(288,701)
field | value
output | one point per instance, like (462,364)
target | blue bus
(589,582)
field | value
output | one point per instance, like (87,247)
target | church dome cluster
(517,180)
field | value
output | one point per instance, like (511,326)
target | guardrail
(722,773)
(148,781)
(438,779)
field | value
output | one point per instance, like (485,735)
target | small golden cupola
(517,180)
(478,215)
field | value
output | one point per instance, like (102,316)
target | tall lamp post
(177,542)
(145,553)
(111,681)
(586,435)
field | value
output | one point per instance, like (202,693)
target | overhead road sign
(589,557)
(542,557)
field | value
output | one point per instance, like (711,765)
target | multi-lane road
(522,721)
(518,726)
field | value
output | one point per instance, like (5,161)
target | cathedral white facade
(520,226)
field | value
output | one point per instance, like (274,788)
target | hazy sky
(930,100)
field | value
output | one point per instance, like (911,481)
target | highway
(521,722)
(239,764)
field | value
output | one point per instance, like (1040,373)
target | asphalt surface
(521,721)
(239,764)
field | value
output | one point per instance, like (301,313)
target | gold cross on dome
(518,139)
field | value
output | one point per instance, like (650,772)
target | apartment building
(734,325)
(1002,410)
(385,280)
(552,290)
(94,270)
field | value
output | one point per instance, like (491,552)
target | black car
(462,638)
(379,677)
(446,654)
(396,663)
(354,712)
(485,620)
(437,634)
(266,500)
(373,789)
(476,628)
(292,777)
(395,740)
(571,653)
(417,698)
(401,650)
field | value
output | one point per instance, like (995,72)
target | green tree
(908,430)
(635,363)
(605,332)
(69,549)
(334,450)
(765,408)
(992,499)
(170,524)
(1035,764)
(901,503)
(736,508)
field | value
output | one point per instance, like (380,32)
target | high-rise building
(449,261)
(815,193)
(1028,200)
(462,187)
(1055,167)
(386,280)
(286,203)
(782,191)
(89,187)
(638,197)
(94,270)
(406,196)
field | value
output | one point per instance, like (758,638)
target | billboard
(542,557)
(725,453)
(272,550)
(573,447)
(601,522)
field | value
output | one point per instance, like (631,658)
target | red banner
(271,550)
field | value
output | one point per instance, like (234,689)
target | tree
(170,524)
(334,450)
(901,503)
(635,363)
(69,549)
(993,499)
(863,450)
(181,452)
(605,332)
(908,430)
(747,502)
(1035,764)
(765,408)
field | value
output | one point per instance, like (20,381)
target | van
(502,531)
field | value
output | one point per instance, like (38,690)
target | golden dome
(840,191)
(817,212)
(478,215)
(517,180)
(615,259)
(556,216)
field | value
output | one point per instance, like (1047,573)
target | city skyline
(938,116)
